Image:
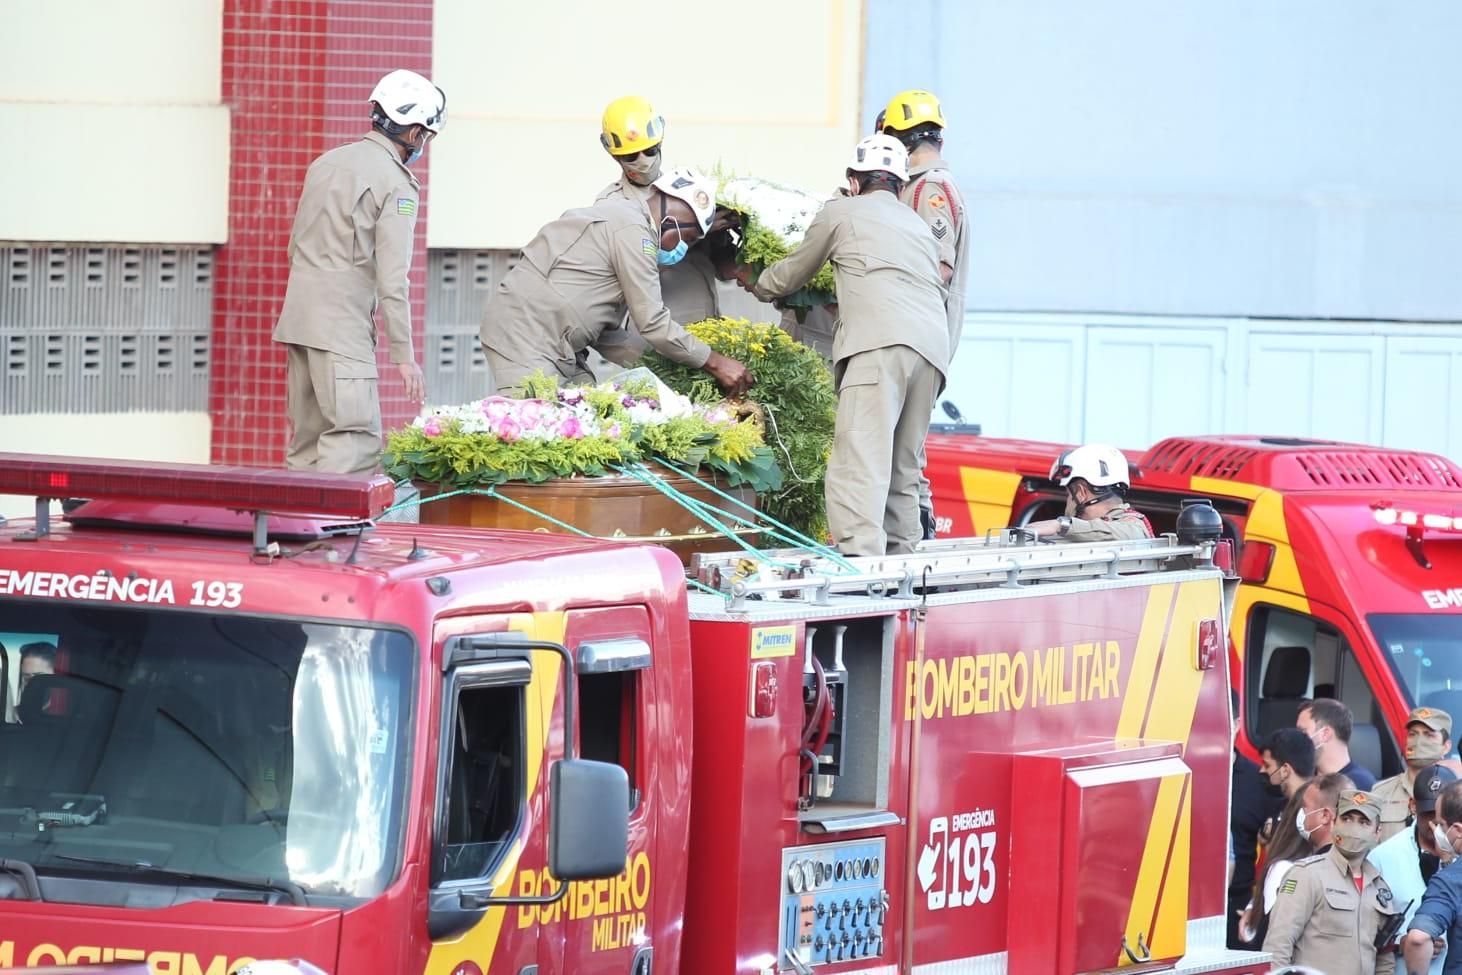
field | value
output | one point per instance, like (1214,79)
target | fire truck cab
(244,721)
(1350,556)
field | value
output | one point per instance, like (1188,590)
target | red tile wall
(296,76)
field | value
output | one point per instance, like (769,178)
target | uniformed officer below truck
(1096,479)
(1410,859)
(349,253)
(1428,740)
(1334,912)
(916,119)
(580,269)
(890,350)
(1439,915)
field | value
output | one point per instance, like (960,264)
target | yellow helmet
(631,125)
(910,108)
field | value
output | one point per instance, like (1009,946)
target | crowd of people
(1336,872)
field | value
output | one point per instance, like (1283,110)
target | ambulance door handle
(1141,955)
(642,963)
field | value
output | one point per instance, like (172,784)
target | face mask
(1354,840)
(666,258)
(1439,837)
(1299,821)
(642,170)
(1271,789)
(1424,752)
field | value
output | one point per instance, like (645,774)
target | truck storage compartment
(1102,837)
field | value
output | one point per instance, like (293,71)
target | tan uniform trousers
(884,399)
(335,411)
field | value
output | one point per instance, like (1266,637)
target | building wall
(763,87)
(1198,217)
(119,131)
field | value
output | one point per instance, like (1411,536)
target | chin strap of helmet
(1100,495)
(391,129)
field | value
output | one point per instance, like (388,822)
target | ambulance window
(608,729)
(484,781)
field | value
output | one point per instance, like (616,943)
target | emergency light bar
(351,496)
(1412,519)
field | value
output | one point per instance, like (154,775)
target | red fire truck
(245,722)
(1351,559)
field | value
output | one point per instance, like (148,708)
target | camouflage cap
(1355,800)
(1431,717)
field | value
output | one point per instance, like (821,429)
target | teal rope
(698,508)
(792,534)
(491,492)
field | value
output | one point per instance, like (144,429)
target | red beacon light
(252,489)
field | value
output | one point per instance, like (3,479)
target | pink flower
(612,430)
(571,429)
(432,427)
(508,429)
(495,408)
(571,396)
(530,412)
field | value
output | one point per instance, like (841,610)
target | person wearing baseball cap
(1408,860)
(1339,891)
(1439,915)
(1428,741)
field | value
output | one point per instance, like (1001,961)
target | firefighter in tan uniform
(1334,912)
(890,348)
(349,254)
(1096,480)
(916,119)
(1428,741)
(577,272)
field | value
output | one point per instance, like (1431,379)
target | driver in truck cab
(1096,480)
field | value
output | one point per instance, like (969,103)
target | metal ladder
(1003,560)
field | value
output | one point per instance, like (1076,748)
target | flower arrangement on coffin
(774,219)
(578,431)
(795,392)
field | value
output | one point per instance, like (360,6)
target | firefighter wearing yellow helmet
(916,119)
(632,132)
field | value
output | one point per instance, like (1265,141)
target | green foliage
(795,391)
(763,245)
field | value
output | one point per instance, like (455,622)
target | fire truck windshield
(1425,650)
(202,745)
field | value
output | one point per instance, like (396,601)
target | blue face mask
(666,258)
(415,154)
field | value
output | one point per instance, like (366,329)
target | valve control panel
(834,903)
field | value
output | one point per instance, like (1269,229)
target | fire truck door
(609,925)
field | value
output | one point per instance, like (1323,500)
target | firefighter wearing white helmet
(349,254)
(890,346)
(580,270)
(1096,479)
(916,119)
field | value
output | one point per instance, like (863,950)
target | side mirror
(589,822)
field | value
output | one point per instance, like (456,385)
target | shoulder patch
(648,246)
(405,206)
(939,228)
(937,202)
(1289,886)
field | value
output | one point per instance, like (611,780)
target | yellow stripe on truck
(479,942)
(1159,909)
(1144,661)
(989,495)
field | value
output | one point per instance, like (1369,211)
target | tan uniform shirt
(1320,920)
(688,288)
(1119,524)
(887,270)
(350,250)
(568,288)
(931,194)
(1395,796)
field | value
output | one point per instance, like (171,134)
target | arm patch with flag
(405,206)
(648,246)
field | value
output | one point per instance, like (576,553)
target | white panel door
(1318,384)
(1424,393)
(1150,382)
(1019,379)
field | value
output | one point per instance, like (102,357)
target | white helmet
(407,98)
(881,154)
(698,192)
(1097,464)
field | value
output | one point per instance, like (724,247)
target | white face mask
(1444,845)
(1299,822)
